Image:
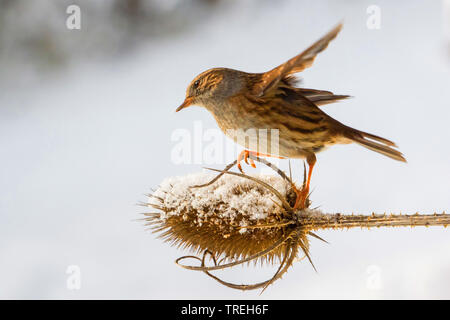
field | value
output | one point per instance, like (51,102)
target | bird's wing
(298,63)
(320,97)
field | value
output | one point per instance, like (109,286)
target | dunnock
(241,101)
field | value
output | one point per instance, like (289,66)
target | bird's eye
(196,83)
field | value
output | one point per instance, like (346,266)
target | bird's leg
(245,155)
(302,195)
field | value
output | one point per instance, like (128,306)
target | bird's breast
(270,129)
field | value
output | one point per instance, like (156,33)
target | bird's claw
(245,155)
(302,196)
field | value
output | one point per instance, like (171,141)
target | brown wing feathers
(320,97)
(298,63)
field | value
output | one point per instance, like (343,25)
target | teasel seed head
(222,217)
(236,218)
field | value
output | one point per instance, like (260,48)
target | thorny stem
(340,221)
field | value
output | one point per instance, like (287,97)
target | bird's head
(212,87)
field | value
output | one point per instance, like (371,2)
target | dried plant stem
(340,221)
(232,164)
(271,166)
(228,167)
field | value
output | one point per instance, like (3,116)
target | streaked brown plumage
(270,100)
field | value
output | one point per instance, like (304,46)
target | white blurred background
(86,118)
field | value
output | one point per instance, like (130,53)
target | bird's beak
(187,102)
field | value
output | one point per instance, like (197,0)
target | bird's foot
(302,196)
(245,155)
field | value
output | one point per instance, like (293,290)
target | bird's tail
(374,143)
